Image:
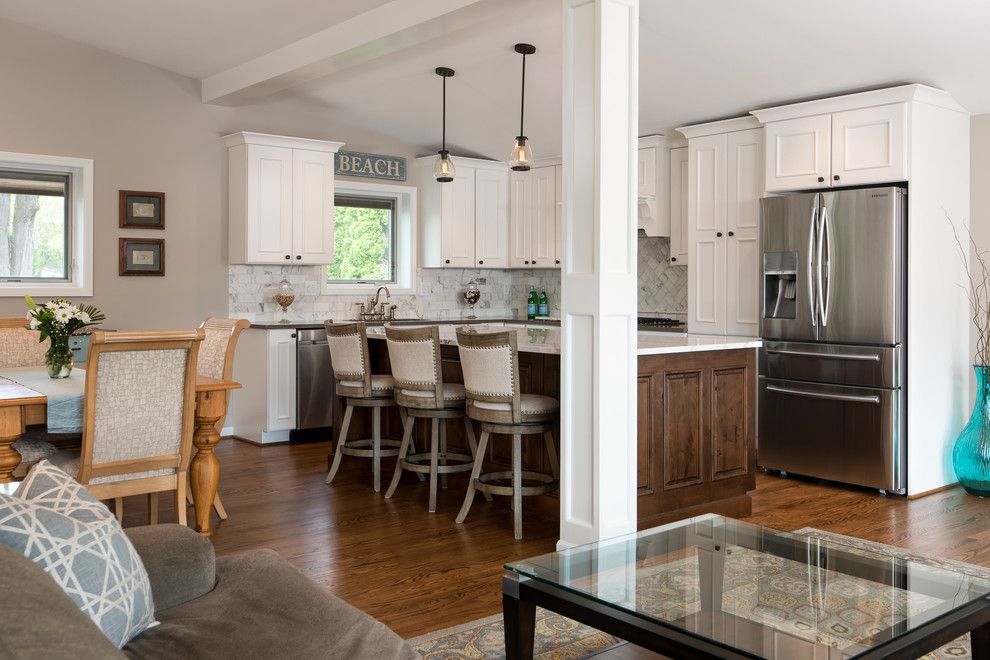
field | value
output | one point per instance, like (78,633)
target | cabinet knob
(835,178)
(526,262)
(298,256)
(732,233)
(446,261)
(557,261)
(293,335)
(673,258)
(287,257)
(719,234)
(481,261)
(821,179)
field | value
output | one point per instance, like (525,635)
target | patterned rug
(827,607)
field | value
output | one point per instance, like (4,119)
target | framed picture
(144,210)
(142,256)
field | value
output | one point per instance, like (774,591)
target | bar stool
(414,354)
(490,363)
(348,343)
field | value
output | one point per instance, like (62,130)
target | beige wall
(145,129)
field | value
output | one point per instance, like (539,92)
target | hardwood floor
(420,572)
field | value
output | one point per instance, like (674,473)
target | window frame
(79,202)
(405,254)
(386,202)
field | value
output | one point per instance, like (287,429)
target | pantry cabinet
(725,183)
(464,223)
(280,199)
(859,146)
(533,215)
(679,206)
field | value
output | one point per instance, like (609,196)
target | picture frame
(142,256)
(142,210)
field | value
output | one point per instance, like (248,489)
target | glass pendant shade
(522,155)
(443,168)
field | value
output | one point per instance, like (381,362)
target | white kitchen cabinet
(280,199)
(533,218)
(653,187)
(798,153)
(264,410)
(869,145)
(559,189)
(679,206)
(725,184)
(464,223)
(646,166)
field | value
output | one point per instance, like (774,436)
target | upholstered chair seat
(534,408)
(381,385)
(453,395)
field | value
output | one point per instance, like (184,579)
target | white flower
(83,316)
(35,324)
(29,315)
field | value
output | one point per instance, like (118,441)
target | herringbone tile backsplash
(663,288)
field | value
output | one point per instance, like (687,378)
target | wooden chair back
(19,345)
(414,354)
(348,344)
(138,412)
(490,362)
(216,353)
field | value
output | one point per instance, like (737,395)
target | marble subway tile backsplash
(438,293)
(663,288)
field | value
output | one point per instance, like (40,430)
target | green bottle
(544,307)
(533,304)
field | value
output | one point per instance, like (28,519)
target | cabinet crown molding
(718,127)
(247,137)
(900,94)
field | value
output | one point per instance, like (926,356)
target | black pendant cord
(443,113)
(522,97)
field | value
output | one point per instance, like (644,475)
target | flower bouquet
(58,318)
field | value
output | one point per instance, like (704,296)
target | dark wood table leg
(979,640)
(519,619)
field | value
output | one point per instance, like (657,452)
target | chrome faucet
(376,310)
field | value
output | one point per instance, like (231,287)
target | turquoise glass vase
(971,453)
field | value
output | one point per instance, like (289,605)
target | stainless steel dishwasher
(314,381)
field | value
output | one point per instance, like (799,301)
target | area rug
(828,609)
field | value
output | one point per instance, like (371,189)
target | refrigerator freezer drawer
(847,434)
(862,366)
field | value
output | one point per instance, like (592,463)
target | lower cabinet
(696,435)
(264,409)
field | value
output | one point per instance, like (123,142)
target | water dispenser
(779,285)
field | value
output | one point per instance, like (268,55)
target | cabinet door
(521,209)
(559,186)
(647,171)
(543,218)
(312,207)
(870,145)
(706,234)
(457,219)
(269,213)
(281,380)
(798,153)
(744,179)
(679,206)
(491,218)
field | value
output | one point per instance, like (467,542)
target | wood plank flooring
(420,572)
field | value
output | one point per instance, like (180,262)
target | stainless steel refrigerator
(832,400)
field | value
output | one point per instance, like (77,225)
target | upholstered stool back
(414,354)
(490,363)
(348,343)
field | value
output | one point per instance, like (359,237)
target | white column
(598,280)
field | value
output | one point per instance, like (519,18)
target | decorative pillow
(72,536)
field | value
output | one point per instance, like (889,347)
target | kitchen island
(696,415)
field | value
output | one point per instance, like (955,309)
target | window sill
(45,290)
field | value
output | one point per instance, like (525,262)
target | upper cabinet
(859,139)
(280,199)
(679,206)
(464,223)
(533,235)
(653,181)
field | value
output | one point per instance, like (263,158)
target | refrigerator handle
(827,305)
(812,302)
(820,275)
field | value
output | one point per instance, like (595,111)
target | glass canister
(284,297)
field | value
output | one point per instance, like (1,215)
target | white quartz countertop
(543,339)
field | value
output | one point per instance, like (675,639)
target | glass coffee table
(713,587)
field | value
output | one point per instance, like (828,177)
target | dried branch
(978,291)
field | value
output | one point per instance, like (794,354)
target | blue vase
(971,453)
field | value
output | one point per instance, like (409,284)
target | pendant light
(522,154)
(443,169)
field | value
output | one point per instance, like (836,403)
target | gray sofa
(252,604)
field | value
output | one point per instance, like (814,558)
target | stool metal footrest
(486,483)
(365,448)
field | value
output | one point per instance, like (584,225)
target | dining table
(21,406)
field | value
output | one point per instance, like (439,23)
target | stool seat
(534,408)
(381,385)
(453,395)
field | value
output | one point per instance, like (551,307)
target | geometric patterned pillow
(54,521)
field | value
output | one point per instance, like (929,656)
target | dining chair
(139,401)
(19,347)
(216,360)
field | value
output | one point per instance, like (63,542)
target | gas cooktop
(661,323)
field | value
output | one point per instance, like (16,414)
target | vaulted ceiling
(699,60)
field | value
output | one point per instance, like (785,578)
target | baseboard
(933,491)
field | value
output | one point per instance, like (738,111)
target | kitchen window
(374,229)
(45,225)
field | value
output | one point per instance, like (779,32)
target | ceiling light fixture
(443,170)
(522,153)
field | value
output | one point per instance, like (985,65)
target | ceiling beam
(382,31)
